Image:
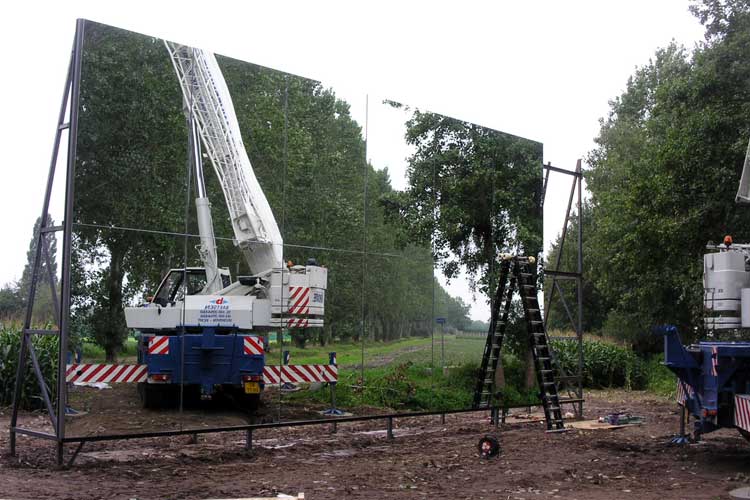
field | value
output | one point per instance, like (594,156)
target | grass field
(427,373)
(416,350)
(419,350)
(404,375)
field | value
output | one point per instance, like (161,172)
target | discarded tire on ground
(489,447)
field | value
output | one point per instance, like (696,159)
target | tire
(156,396)
(250,402)
(745,434)
(488,447)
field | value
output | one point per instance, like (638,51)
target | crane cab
(179,283)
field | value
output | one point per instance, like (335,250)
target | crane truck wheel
(156,396)
(250,402)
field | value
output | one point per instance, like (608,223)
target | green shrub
(631,329)
(414,386)
(660,379)
(46,349)
(604,364)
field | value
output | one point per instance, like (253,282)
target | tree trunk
(500,375)
(530,379)
(323,336)
(115,311)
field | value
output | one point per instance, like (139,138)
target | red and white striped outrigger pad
(275,375)
(158,344)
(742,411)
(113,374)
(681,387)
(252,346)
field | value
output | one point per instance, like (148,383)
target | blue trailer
(713,382)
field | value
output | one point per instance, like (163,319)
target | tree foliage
(664,173)
(595,304)
(14,297)
(473,193)
(129,173)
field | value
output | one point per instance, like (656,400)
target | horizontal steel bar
(563,171)
(36,331)
(52,229)
(291,423)
(564,401)
(562,274)
(38,434)
(221,238)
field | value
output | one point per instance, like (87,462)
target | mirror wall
(389,221)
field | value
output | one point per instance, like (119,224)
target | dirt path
(426,460)
(387,359)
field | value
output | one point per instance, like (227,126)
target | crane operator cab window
(173,288)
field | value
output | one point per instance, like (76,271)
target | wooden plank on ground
(300,496)
(593,425)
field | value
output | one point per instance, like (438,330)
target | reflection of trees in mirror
(131,172)
(473,192)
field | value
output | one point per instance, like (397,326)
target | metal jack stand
(333,411)
(287,386)
(682,438)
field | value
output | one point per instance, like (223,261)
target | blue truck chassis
(713,382)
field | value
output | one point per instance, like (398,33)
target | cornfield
(604,364)
(46,351)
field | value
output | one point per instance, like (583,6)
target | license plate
(252,388)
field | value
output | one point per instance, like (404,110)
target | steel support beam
(67,120)
(577,275)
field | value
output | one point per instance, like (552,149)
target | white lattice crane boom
(208,100)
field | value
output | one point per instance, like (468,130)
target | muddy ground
(426,459)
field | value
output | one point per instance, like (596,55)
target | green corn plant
(46,349)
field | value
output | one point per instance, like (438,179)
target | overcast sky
(541,70)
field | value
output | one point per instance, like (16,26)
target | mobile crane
(714,376)
(202,330)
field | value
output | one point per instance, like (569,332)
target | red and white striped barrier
(272,375)
(742,411)
(113,374)
(252,346)
(681,396)
(158,344)
(300,374)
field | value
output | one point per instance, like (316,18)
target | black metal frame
(68,120)
(249,428)
(69,109)
(556,274)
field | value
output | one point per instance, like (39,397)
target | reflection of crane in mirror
(219,321)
